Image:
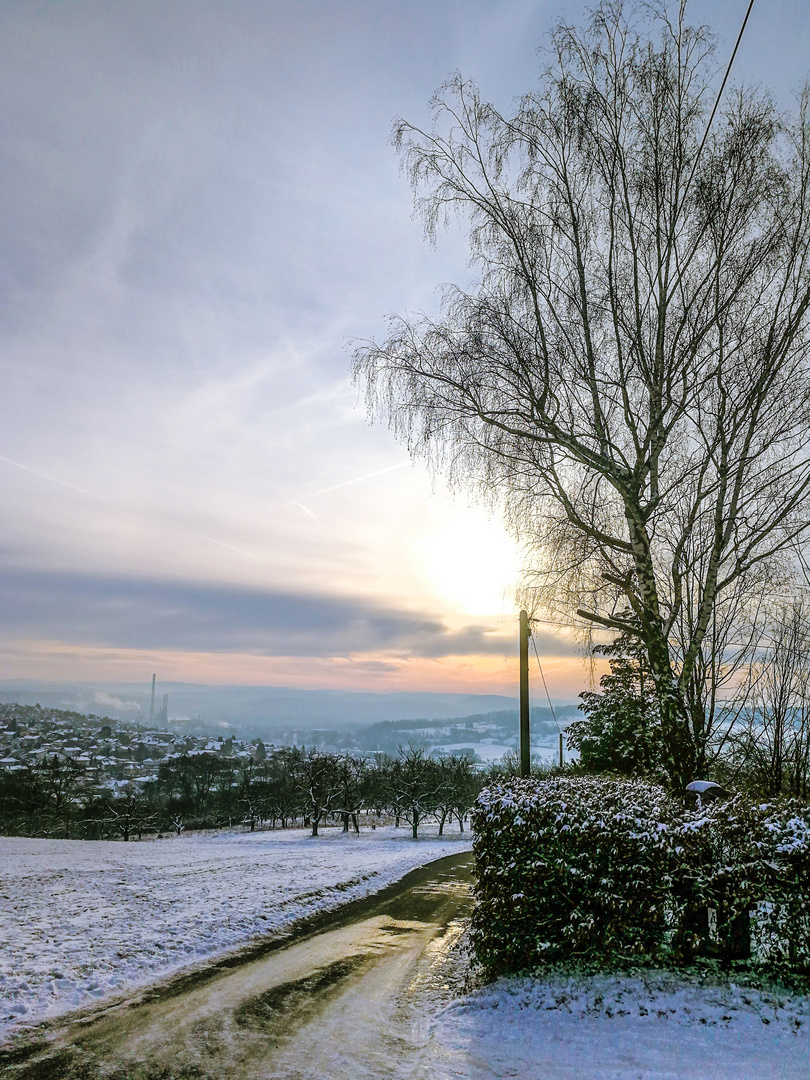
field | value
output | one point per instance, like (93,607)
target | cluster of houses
(111,754)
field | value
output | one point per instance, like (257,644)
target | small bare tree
(128,813)
(350,781)
(629,375)
(315,778)
(415,782)
(771,740)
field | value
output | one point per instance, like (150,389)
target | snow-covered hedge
(606,869)
(748,865)
(571,867)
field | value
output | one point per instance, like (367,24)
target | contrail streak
(52,479)
(222,543)
(294,502)
(347,483)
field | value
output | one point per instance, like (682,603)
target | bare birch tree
(629,374)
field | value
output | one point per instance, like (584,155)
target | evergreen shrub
(749,864)
(571,868)
(616,871)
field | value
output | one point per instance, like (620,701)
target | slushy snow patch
(651,1026)
(84,920)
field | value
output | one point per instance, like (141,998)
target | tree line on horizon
(290,786)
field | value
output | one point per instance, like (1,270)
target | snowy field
(85,920)
(658,1026)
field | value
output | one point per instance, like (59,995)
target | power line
(717,100)
(542,676)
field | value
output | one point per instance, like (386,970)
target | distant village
(111,755)
(116,752)
(88,777)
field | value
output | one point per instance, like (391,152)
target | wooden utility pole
(525,739)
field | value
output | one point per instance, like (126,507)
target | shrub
(572,868)
(610,870)
(784,923)
(621,732)
(749,864)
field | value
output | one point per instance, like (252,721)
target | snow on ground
(654,1026)
(84,920)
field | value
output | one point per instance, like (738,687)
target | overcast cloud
(200,210)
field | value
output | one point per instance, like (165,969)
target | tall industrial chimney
(152,706)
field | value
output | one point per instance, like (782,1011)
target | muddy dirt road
(351,998)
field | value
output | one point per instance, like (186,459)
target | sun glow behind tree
(629,375)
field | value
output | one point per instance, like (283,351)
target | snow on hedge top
(584,800)
(602,803)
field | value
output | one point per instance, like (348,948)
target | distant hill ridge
(269,704)
(539,714)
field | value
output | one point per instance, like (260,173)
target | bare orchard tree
(415,784)
(315,779)
(128,813)
(629,375)
(351,784)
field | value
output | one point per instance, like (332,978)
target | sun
(470,563)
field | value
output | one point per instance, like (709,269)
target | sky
(201,212)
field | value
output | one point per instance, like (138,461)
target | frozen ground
(658,1026)
(85,920)
(80,921)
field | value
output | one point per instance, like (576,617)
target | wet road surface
(352,997)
